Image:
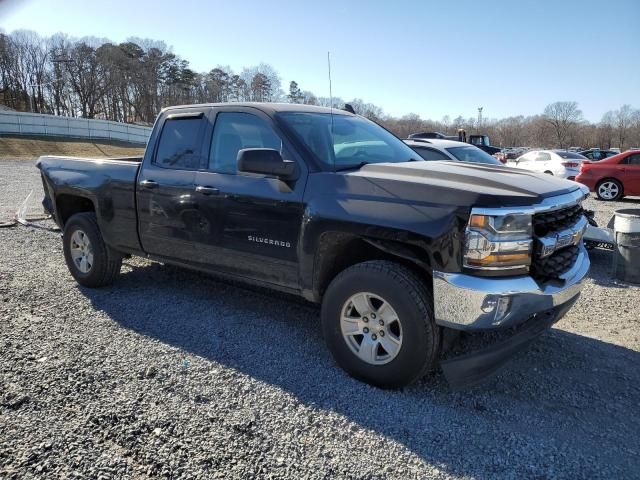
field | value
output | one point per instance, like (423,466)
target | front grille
(553,266)
(545,223)
(548,223)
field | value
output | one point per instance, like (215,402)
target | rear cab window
(179,145)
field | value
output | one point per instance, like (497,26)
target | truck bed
(107,183)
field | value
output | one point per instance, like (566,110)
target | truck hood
(464,184)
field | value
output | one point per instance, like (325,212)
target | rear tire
(91,262)
(400,351)
(548,172)
(609,190)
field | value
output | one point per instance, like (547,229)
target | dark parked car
(401,253)
(596,154)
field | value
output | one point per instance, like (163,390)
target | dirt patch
(33,147)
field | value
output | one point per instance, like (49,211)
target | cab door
(168,216)
(251,223)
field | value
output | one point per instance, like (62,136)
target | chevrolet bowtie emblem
(550,244)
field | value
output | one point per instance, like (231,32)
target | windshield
(355,140)
(473,154)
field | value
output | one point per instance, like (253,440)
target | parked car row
(609,174)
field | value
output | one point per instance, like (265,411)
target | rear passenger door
(251,222)
(168,216)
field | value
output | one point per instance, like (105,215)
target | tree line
(131,82)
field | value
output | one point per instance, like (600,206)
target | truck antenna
(330,91)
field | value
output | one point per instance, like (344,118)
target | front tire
(609,190)
(377,320)
(90,261)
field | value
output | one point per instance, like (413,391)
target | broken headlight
(498,242)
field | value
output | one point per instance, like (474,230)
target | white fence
(16,123)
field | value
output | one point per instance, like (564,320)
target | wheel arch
(68,205)
(338,251)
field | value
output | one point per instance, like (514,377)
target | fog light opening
(502,309)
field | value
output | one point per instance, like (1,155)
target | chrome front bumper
(469,302)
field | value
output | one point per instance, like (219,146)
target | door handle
(148,184)
(207,190)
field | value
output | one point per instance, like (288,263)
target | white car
(439,149)
(558,163)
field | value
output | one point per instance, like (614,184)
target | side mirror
(266,161)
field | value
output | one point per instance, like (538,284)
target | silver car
(438,149)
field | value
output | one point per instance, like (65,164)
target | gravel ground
(173,374)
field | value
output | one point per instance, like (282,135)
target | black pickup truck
(324,204)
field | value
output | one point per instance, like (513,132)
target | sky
(433,58)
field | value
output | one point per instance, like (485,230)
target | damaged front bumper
(475,304)
(471,303)
(470,369)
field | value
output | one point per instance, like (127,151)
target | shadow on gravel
(564,399)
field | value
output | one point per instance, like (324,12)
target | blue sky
(432,58)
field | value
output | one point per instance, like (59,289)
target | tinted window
(430,154)
(575,156)
(346,141)
(633,159)
(474,155)
(179,146)
(234,131)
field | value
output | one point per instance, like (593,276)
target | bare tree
(132,81)
(622,121)
(562,116)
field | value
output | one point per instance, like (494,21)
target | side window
(179,146)
(633,159)
(543,157)
(234,131)
(430,154)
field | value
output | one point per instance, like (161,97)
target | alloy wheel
(608,190)
(81,251)
(371,328)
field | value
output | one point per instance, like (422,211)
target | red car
(613,177)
